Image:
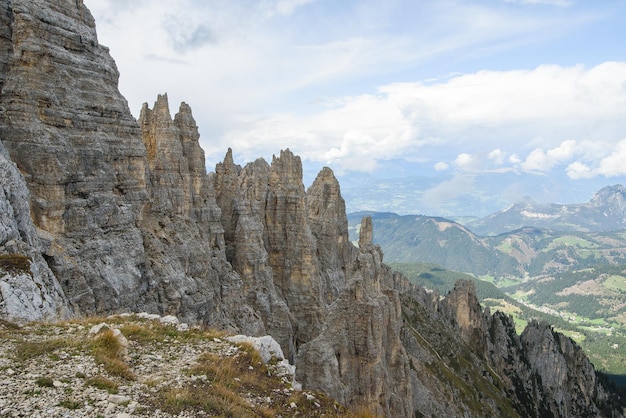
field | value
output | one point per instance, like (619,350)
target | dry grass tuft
(101,382)
(108,351)
(212,399)
(15,263)
(27,350)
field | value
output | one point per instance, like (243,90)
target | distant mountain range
(519,253)
(606,211)
(526,238)
(396,186)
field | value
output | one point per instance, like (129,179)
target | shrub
(70,404)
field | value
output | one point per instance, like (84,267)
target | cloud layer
(461,85)
(533,120)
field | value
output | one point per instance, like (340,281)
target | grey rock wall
(29,291)
(70,132)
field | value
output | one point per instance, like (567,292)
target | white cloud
(497,156)
(558,107)
(540,160)
(240,65)
(614,163)
(282,7)
(466,162)
(578,170)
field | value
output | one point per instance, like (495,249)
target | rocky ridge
(605,211)
(106,214)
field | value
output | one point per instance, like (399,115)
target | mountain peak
(606,211)
(610,195)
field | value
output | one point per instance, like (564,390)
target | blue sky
(459,91)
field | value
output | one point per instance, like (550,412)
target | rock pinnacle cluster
(104,214)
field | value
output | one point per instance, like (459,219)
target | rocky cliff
(102,213)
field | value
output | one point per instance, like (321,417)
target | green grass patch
(27,350)
(44,381)
(487,278)
(101,382)
(505,281)
(571,241)
(70,404)
(616,282)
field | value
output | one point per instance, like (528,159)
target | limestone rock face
(358,357)
(241,195)
(71,134)
(462,307)
(329,225)
(293,253)
(28,289)
(570,386)
(177,172)
(270,244)
(466,362)
(185,271)
(124,211)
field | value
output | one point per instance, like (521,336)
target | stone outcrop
(70,132)
(185,268)
(28,289)
(319,297)
(101,213)
(358,357)
(124,211)
(466,362)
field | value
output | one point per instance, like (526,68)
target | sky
(528,92)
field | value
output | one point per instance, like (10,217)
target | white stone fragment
(266,346)
(169,320)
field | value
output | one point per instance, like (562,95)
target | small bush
(70,404)
(44,381)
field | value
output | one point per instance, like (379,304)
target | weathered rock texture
(185,270)
(101,213)
(71,134)
(124,211)
(358,356)
(466,362)
(28,289)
